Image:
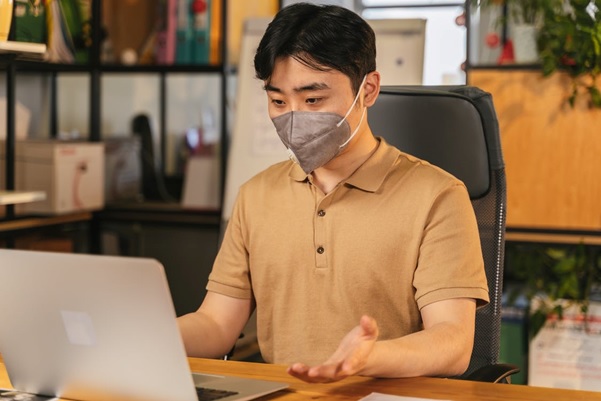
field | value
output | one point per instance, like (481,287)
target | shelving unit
(185,241)
(10,54)
(96,70)
(150,214)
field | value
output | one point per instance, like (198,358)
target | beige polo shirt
(397,235)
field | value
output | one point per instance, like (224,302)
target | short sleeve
(230,275)
(450,263)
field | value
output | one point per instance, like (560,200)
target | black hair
(321,37)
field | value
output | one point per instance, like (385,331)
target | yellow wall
(238,11)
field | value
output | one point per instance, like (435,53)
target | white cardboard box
(201,183)
(70,173)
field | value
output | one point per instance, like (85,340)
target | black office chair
(456,128)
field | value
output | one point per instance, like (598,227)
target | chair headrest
(446,126)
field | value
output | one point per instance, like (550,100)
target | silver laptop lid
(58,335)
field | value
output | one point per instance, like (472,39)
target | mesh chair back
(456,128)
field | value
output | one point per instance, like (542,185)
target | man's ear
(372,88)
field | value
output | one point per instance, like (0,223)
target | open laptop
(92,328)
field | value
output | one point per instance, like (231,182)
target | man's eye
(277,102)
(313,100)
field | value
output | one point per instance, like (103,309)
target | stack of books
(189,32)
(63,25)
(164,32)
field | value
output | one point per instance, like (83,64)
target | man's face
(297,87)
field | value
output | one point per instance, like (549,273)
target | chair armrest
(497,373)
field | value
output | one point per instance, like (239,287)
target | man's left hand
(349,359)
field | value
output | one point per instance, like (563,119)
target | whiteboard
(255,144)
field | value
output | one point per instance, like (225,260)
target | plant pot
(524,44)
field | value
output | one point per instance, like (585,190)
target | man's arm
(443,348)
(213,329)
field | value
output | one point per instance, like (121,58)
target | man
(358,258)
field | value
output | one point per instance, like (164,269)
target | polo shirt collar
(297,173)
(370,175)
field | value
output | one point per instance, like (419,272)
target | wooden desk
(356,387)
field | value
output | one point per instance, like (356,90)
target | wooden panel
(552,152)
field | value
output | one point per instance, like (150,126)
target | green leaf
(572,99)
(567,265)
(537,321)
(569,39)
(569,288)
(556,253)
(595,96)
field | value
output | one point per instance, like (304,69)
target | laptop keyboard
(209,394)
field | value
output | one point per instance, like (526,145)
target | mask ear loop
(354,102)
(292,156)
(356,129)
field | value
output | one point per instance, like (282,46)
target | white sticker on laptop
(79,328)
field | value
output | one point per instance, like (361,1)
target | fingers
(318,374)
(369,326)
(298,370)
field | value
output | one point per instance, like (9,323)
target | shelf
(23,50)
(584,238)
(24,223)
(162,68)
(14,197)
(159,212)
(15,61)
(509,67)
(33,66)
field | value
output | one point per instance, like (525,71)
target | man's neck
(345,164)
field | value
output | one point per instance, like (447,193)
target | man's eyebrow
(312,87)
(309,87)
(271,88)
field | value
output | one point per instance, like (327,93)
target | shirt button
(321,213)
(320,250)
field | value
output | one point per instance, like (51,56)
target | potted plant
(524,18)
(570,40)
(553,279)
(562,285)
(567,37)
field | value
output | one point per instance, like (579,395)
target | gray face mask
(313,138)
